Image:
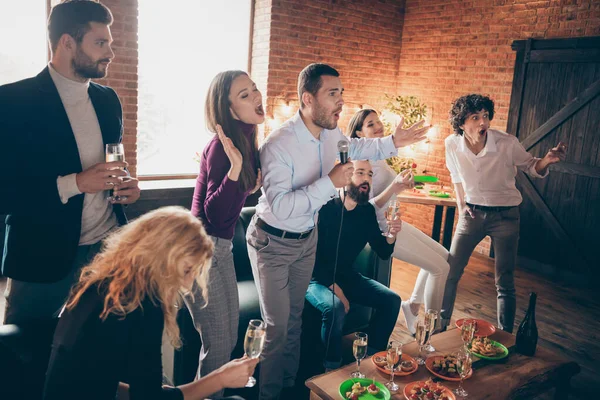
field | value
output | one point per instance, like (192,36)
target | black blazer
(38,145)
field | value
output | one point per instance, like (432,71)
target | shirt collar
(302,133)
(490,144)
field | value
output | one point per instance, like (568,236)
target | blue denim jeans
(364,291)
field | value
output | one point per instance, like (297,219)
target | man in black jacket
(359,227)
(53,129)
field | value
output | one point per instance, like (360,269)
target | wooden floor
(567,317)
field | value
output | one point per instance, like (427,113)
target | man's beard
(355,194)
(85,67)
(320,118)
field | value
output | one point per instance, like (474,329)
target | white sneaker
(409,317)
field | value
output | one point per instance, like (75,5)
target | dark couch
(186,360)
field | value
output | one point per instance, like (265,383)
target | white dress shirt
(295,167)
(488,178)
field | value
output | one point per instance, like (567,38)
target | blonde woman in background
(111,329)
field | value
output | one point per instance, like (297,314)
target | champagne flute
(390,216)
(393,358)
(463,366)
(431,317)
(254,342)
(359,348)
(467,332)
(422,337)
(114,152)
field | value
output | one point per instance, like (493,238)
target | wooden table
(515,377)
(439,203)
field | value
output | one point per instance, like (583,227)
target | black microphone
(343,146)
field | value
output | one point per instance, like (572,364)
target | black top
(90,356)
(359,228)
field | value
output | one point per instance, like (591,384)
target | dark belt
(487,208)
(279,233)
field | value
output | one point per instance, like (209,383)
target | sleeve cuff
(388,146)
(534,173)
(67,187)
(325,186)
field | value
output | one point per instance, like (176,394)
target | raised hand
(341,174)
(413,134)
(395,226)
(234,155)
(404,180)
(556,154)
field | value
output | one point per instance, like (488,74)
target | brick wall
(122,72)
(361,39)
(454,47)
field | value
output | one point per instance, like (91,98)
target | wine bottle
(527,335)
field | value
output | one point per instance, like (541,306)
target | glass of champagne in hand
(390,215)
(359,348)
(463,367)
(467,331)
(254,342)
(393,358)
(422,336)
(431,317)
(114,152)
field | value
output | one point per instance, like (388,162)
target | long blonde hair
(147,258)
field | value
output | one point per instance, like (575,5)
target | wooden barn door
(556,97)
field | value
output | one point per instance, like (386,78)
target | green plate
(346,386)
(502,355)
(441,195)
(425,178)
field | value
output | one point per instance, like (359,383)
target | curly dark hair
(467,105)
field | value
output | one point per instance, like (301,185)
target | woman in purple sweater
(228,174)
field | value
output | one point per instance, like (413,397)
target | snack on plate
(357,390)
(446,366)
(373,389)
(485,347)
(428,391)
(407,366)
(380,361)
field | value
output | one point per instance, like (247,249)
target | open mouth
(259,110)
(364,188)
(482,132)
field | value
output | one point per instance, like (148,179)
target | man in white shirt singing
(483,164)
(299,176)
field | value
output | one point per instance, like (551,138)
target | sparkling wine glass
(393,358)
(467,332)
(114,152)
(431,317)
(390,216)
(422,336)
(359,348)
(254,342)
(463,366)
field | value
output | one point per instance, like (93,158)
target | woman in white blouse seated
(412,245)
(483,164)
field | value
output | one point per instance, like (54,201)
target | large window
(23,47)
(182,45)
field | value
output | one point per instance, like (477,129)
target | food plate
(425,178)
(485,341)
(429,364)
(346,386)
(483,329)
(384,369)
(420,384)
(441,195)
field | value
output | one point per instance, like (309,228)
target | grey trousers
(218,322)
(282,270)
(503,228)
(31,301)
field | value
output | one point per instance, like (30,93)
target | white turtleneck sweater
(98,217)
